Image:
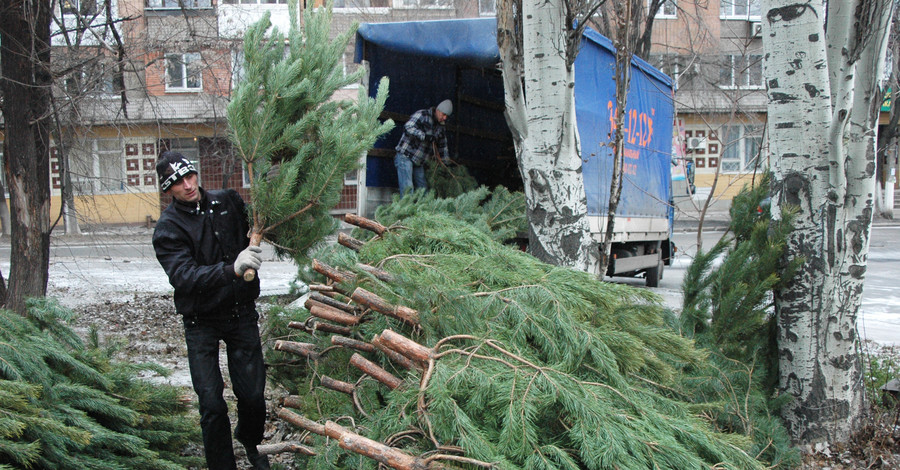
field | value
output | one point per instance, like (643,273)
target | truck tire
(654,275)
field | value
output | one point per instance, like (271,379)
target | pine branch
(71,406)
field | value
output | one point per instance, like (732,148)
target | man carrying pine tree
(201,242)
(423,135)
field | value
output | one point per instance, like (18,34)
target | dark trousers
(248,379)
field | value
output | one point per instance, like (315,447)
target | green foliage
(448,181)
(538,366)
(66,404)
(882,366)
(498,213)
(728,309)
(282,112)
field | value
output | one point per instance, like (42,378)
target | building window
(423,3)
(360,4)
(682,69)
(740,9)
(351,177)
(668,10)
(178,4)
(183,72)
(255,2)
(245,175)
(96,167)
(237,67)
(94,79)
(668,64)
(741,71)
(741,148)
(78,7)
(487,7)
(187,147)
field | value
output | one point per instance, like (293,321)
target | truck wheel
(654,275)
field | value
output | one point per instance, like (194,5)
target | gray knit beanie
(446,107)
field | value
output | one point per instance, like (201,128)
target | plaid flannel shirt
(415,145)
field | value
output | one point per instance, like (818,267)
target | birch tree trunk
(823,85)
(539,85)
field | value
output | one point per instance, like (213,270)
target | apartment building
(161,79)
(713,50)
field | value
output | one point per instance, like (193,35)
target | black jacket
(197,245)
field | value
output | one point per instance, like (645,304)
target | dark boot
(257,460)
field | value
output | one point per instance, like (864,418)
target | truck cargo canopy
(472,42)
(429,61)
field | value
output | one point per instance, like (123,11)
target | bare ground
(875,446)
(146,329)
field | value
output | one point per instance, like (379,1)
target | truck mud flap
(634,263)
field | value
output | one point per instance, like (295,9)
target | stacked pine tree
(433,345)
(65,404)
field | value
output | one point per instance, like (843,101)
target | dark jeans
(248,379)
(409,175)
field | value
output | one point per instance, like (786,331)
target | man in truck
(424,134)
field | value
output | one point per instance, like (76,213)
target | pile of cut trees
(334,310)
(434,346)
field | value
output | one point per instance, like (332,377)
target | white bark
(542,120)
(821,86)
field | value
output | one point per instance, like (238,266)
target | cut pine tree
(294,140)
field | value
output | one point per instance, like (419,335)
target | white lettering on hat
(181,169)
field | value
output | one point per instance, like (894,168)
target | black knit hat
(171,168)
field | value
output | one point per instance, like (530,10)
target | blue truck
(429,61)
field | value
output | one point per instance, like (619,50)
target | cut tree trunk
(365,223)
(301,349)
(323,299)
(301,421)
(351,343)
(350,242)
(406,346)
(331,314)
(375,371)
(394,356)
(379,274)
(380,305)
(320,326)
(374,450)
(337,385)
(282,447)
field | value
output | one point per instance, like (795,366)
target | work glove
(249,258)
